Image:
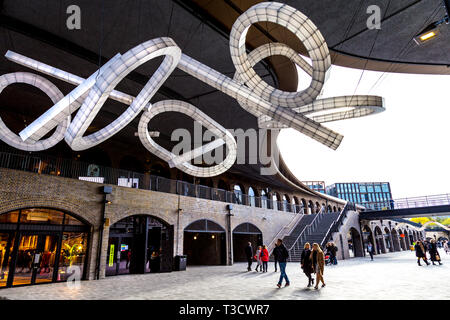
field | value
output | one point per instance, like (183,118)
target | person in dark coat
(306,263)
(249,255)
(332,250)
(275,257)
(434,253)
(420,252)
(282,253)
(370,250)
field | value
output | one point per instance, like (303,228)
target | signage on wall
(274,108)
(123,247)
(111,256)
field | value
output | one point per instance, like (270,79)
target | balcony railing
(105,175)
(408,203)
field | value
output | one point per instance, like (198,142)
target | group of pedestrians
(424,247)
(312,261)
(331,250)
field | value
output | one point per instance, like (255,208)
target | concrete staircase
(313,229)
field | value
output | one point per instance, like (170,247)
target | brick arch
(87,216)
(116,217)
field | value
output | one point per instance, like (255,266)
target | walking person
(333,251)
(249,255)
(370,250)
(258,259)
(318,263)
(446,248)
(264,258)
(434,253)
(420,253)
(275,257)
(282,254)
(306,263)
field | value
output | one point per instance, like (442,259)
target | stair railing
(335,225)
(295,248)
(286,230)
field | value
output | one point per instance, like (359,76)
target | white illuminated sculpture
(274,108)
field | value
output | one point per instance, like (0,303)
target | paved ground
(390,276)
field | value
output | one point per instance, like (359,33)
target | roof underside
(38,29)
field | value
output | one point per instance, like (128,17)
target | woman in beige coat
(318,262)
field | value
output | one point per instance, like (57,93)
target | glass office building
(318,186)
(374,195)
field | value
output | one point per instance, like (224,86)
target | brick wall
(84,199)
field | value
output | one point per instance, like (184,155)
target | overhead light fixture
(432,30)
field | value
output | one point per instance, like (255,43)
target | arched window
(295,205)
(286,206)
(238,194)
(275,201)
(251,197)
(264,199)
(304,209)
(58,239)
(317,207)
(310,207)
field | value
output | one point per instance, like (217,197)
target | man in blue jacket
(282,254)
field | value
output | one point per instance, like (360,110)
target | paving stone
(389,276)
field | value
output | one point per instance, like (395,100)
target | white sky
(407,145)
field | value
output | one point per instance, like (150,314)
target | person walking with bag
(264,255)
(420,253)
(446,248)
(434,253)
(282,254)
(318,263)
(306,263)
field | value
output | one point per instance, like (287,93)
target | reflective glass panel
(73,255)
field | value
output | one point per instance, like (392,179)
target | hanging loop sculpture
(273,107)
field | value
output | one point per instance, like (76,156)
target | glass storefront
(39,245)
(139,244)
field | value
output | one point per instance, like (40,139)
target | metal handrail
(406,203)
(43,164)
(335,224)
(285,230)
(308,230)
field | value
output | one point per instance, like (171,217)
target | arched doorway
(139,244)
(368,237)
(310,207)
(354,243)
(242,234)
(304,209)
(252,197)
(204,243)
(295,205)
(381,247)
(264,200)
(285,203)
(238,194)
(276,201)
(334,209)
(402,238)
(41,245)
(395,240)
(317,207)
(388,240)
